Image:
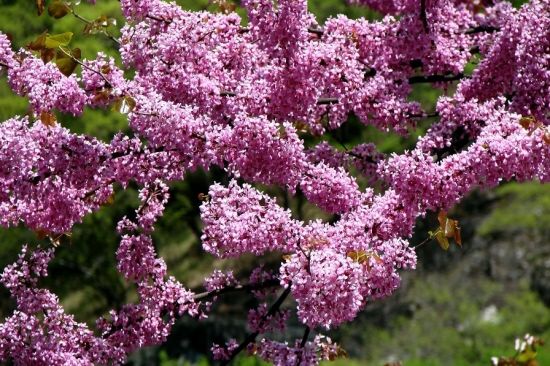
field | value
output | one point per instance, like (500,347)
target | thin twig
(481,29)
(426,240)
(323,101)
(85,66)
(305,337)
(435,78)
(158,19)
(423,16)
(89,22)
(248,287)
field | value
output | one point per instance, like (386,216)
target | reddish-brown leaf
(40,5)
(58,9)
(39,43)
(48,118)
(47,54)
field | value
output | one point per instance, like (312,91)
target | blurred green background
(458,308)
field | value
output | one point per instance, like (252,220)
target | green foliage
(519,207)
(450,320)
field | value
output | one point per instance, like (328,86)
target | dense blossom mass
(262,101)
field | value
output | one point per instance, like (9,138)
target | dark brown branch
(317,31)
(423,17)
(93,191)
(227,94)
(248,287)
(322,101)
(482,29)
(305,337)
(424,115)
(435,78)
(252,336)
(167,21)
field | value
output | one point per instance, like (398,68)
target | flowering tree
(208,91)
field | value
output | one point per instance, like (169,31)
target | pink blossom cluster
(45,86)
(259,319)
(329,287)
(238,220)
(219,280)
(49,177)
(301,353)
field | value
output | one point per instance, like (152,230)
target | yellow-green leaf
(442,240)
(57,40)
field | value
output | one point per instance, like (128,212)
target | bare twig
(423,17)
(305,337)
(429,238)
(481,29)
(435,78)
(323,101)
(88,22)
(248,287)
(68,54)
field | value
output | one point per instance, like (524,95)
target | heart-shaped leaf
(56,40)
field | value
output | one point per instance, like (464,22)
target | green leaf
(527,355)
(58,9)
(67,63)
(57,40)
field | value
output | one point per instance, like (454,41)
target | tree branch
(323,101)
(252,336)
(481,29)
(248,287)
(435,78)
(305,337)
(423,17)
